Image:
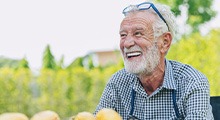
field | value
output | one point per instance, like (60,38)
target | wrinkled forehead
(140,17)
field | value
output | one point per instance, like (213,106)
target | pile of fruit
(104,114)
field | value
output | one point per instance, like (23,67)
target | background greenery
(68,90)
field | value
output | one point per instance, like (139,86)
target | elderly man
(152,87)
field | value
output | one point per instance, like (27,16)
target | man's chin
(133,70)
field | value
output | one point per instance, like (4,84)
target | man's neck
(153,81)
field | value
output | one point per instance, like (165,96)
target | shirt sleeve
(107,99)
(198,101)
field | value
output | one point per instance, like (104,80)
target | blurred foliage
(23,63)
(76,88)
(7,62)
(76,63)
(198,11)
(60,63)
(48,59)
(66,91)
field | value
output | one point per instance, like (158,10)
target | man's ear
(167,40)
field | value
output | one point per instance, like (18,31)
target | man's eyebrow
(136,28)
(139,28)
(120,31)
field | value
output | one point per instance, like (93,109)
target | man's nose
(129,42)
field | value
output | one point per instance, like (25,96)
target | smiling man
(151,87)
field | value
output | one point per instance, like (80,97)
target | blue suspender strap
(175,105)
(132,101)
(131,117)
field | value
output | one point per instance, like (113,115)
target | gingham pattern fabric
(192,94)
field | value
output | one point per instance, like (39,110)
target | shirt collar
(169,82)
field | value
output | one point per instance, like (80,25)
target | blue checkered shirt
(192,95)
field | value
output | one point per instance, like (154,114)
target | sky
(72,28)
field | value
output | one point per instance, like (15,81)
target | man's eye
(138,34)
(123,35)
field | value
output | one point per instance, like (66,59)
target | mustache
(132,49)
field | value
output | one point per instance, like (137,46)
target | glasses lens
(144,6)
(129,8)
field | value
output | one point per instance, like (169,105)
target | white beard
(144,65)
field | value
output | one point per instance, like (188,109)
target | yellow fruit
(84,116)
(46,115)
(13,116)
(108,114)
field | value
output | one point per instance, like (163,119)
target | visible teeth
(133,54)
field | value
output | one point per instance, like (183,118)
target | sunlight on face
(145,64)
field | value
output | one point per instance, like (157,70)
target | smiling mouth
(133,54)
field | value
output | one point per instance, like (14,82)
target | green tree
(78,62)
(23,63)
(48,59)
(60,64)
(199,11)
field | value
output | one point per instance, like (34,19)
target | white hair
(159,25)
